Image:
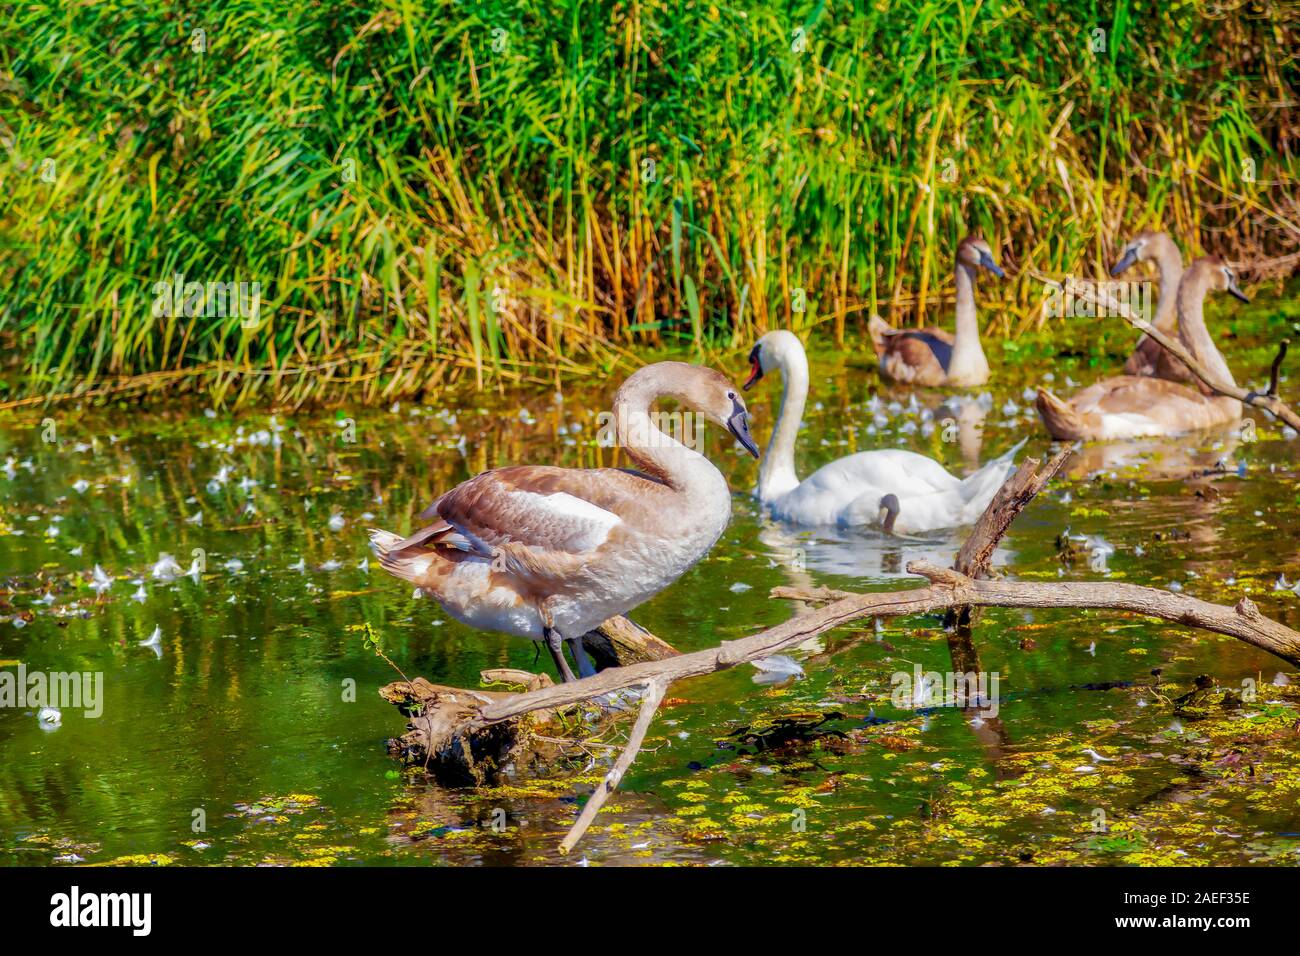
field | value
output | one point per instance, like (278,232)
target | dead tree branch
(1268,401)
(650,701)
(950,588)
(1277,367)
(973,560)
(947,589)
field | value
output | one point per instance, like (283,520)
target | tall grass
(516,189)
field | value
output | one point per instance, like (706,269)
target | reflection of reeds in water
(520,192)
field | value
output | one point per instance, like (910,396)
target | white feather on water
(100,580)
(154,641)
(165,568)
(777,668)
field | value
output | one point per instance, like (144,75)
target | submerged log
(620,641)
(443,736)
(438,735)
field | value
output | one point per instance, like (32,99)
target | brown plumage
(932,356)
(1148,358)
(1128,406)
(911,356)
(549,553)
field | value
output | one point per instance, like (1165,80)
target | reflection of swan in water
(1160,459)
(787,548)
(967,414)
(862,554)
(1197,462)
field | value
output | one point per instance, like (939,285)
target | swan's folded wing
(923,348)
(1131,394)
(924,474)
(903,472)
(549,509)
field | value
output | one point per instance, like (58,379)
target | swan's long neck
(968,366)
(657,453)
(776,474)
(1191,325)
(1170,263)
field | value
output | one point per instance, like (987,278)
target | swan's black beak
(1235,291)
(738,424)
(987,262)
(1130,256)
(755,368)
(889,506)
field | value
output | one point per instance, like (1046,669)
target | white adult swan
(903,492)
(549,553)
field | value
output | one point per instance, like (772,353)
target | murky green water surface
(253,733)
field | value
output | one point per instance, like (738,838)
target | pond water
(252,732)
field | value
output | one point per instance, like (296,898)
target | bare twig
(950,588)
(650,701)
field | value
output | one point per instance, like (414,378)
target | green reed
(506,191)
